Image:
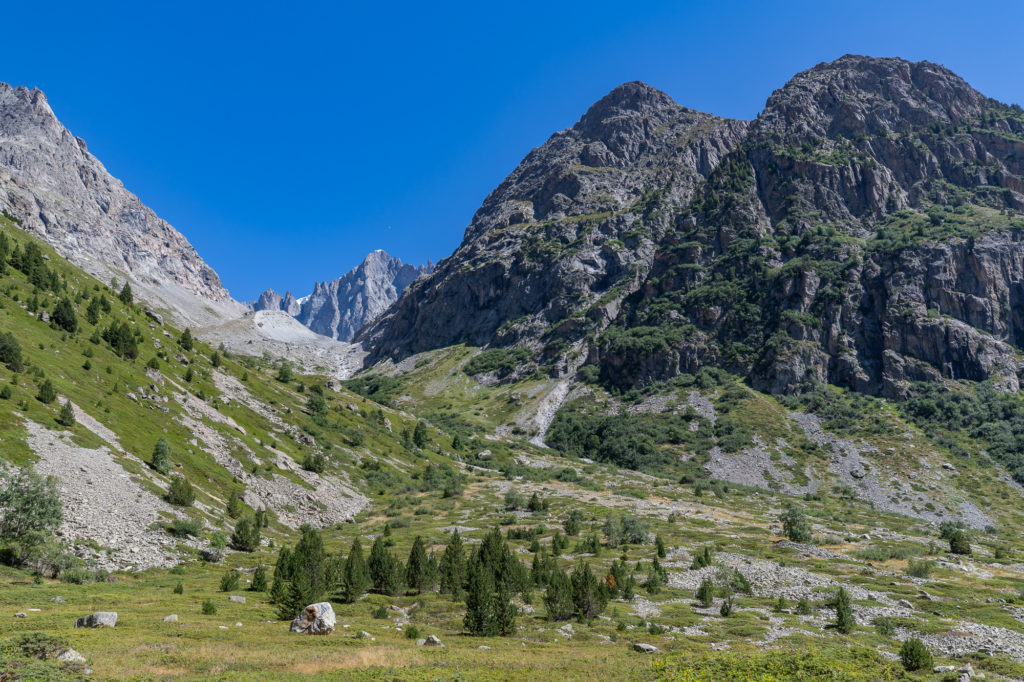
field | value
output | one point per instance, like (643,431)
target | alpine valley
(694,399)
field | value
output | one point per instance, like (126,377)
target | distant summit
(341,307)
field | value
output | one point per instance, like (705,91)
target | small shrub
(229,582)
(915,655)
(179,588)
(180,492)
(885,626)
(919,569)
(803,607)
(209,608)
(706,592)
(412,632)
(183,528)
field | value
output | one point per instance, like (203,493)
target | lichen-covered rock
(100,619)
(315,619)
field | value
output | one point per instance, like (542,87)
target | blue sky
(287,140)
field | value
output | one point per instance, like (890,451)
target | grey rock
(173,618)
(315,619)
(70,656)
(240,600)
(645,648)
(421,641)
(106,619)
(155,317)
(21,614)
(432,640)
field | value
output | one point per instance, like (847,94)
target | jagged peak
(633,97)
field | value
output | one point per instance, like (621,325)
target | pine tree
(702,559)
(419,434)
(283,566)
(660,546)
(64,316)
(504,612)
(453,566)
(67,415)
(259,580)
(355,576)
(246,537)
(416,567)
(379,563)
(795,524)
(235,506)
(186,341)
(706,592)
(844,612)
(307,583)
(558,597)
(161,460)
(587,595)
(480,617)
(126,294)
(47,393)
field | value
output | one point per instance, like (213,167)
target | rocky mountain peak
(857,96)
(63,194)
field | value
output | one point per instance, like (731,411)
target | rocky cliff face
(341,307)
(864,230)
(63,194)
(568,234)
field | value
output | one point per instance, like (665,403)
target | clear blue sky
(286,140)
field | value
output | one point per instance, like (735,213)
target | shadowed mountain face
(341,307)
(63,194)
(864,230)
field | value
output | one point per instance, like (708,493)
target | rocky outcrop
(315,619)
(271,300)
(60,192)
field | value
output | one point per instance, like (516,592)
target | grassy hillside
(632,473)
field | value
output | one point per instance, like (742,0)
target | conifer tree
(186,341)
(558,597)
(480,617)
(419,434)
(355,575)
(47,393)
(504,612)
(67,415)
(259,580)
(844,612)
(64,316)
(161,460)
(246,537)
(453,566)
(416,569)
(126,294)
(587,595)
(659,545)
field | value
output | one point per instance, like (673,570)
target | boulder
(645,648)
(234,597)
(70,656)
(20,614)
(100,619)
(431,640)
(315,619)
(154,316)
(173,618)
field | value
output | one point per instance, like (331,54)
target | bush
(795,525)
(381,612)
(229,582)
(919,569)
(915,655)
(183,528)
(959,543)
(180,492)
(412,632)
(179,588)
(10,352)
(246,537)
(209,608)
(30,511)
